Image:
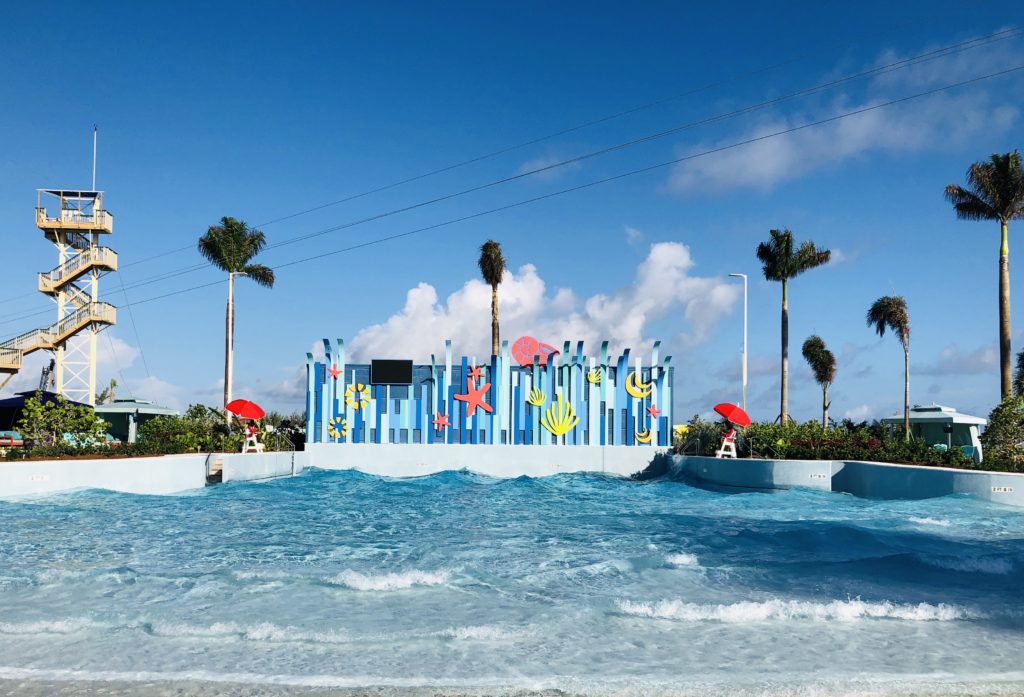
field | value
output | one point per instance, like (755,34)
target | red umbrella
(733,413)
(246,409)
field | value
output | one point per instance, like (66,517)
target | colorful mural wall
(531,394)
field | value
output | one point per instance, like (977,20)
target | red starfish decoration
(475,398)
(653,411)
(440,421)
(333,371)
(477,373)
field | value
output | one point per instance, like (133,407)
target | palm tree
(781,263)
(492,268)
(890,312)
(995,192)
(230,247)
(823,365)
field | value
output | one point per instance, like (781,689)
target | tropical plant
(781,262)
(1001,441)
(823,365)
(995,191)
(230,247)
(492,268)
(199,429)
(890,312)
(55,422)
(107,394)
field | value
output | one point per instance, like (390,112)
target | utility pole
(744,277)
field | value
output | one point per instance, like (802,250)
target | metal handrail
(93,312)
(97,219)
(92,255)
(34,338)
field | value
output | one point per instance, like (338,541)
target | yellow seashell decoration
(537,398)
(560,418)
(594,376)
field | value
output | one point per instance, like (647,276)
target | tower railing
(88,258)
(76,219)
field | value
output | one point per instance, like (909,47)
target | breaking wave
(389,582)
(785,610)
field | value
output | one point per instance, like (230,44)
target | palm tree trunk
(906,393)
(824,406)
(229,346)
(784,395)
(495,338)
(1005,377)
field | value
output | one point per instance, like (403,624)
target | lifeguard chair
(728,448)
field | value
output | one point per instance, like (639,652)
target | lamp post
(744,277)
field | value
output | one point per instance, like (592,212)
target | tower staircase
(73,285)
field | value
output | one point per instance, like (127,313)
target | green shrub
(1001,441)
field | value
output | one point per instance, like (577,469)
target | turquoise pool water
(460,584)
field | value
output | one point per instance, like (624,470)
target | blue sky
(260,111)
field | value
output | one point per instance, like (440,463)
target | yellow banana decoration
(537,398)
(560,418)
(636,387)
(594,376)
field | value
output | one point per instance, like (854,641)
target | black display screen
(389,372)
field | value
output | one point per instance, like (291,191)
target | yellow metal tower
(75,229)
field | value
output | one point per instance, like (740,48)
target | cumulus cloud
(663,284)
(945,120)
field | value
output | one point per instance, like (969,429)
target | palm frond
(492,263)
(890,312)
(780,262)
(262,275)
(231,245)
(995,190)
(820,359)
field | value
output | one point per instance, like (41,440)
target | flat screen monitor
(389,372)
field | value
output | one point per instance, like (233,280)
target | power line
(880,70)
(990,38)
(873,72)
(605,180)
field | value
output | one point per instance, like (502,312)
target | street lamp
(744,277)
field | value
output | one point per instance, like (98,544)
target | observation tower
(75,227)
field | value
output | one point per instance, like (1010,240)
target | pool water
(462,584)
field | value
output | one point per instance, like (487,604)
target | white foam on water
(999,566)
(65,626)
(478,633)
(262,632)
(787,610)
(682,559)
(941,522)
(389,582)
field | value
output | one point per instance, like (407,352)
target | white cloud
(952,361)
(944,120)
(663,284)
(633,236)
(861,413)
(543,163)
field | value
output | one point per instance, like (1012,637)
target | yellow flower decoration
(357,396)
(337,428)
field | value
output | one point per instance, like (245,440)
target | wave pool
(343,583)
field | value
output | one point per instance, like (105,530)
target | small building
(944,426)
(126,415)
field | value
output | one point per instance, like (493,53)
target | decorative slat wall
(613,402)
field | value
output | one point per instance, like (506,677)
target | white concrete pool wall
(416,460)
(170,474)
(254,467)
(865,479)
